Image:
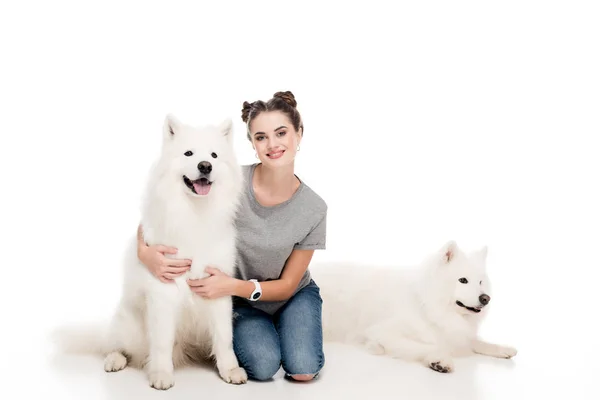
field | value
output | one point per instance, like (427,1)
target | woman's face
(274,138)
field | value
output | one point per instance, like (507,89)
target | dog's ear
(481,254)
(448,251)
(226,127)
(171,126)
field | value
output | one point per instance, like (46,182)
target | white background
(467,120)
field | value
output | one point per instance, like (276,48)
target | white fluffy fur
(160,326)
(411,314)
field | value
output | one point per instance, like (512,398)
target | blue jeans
(291,338)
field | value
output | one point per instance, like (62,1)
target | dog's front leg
(161,325)
(221,322)
(493,350)
(386,338)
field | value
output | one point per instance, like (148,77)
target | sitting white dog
(429,314)
(190,202)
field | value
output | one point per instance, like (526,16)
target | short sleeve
(316,238)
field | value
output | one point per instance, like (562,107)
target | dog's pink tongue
(202,188)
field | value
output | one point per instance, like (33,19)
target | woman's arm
(141,244)
(220,284)
(284,287)
(153,257)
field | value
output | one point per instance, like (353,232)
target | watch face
(256,296)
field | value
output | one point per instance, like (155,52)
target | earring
(298,148)
(256,155)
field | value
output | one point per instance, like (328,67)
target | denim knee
(296,363)
(301,332)
(256,343)
(261,367)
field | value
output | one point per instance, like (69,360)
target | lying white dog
(191,200)
(429,314)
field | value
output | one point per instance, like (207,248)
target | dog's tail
(78,339)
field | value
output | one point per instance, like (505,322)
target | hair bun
(288,97)
(247,107)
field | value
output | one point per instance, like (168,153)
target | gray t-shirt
(267,235)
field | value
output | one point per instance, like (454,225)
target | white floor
(555,333)
(349,374)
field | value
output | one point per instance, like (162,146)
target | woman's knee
(302,377)
(262,367)
(303,365)
(256,344)
(301,335)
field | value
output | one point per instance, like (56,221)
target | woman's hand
(217,284)
(165,269)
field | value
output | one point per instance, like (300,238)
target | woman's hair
(281,101)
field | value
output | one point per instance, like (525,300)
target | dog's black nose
(205,167)
(484,299)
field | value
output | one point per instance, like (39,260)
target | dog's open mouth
(200,186)
(475,310)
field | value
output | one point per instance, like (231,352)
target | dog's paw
(494,350)
(161,380)
(235,376)
(440,364)
(114,361)
(505,352)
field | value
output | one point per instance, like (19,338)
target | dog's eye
(480,282)
(463,280)
(214,155)
(188,153)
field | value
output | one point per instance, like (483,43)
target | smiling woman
(281,222)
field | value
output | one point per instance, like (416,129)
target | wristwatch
(255,295)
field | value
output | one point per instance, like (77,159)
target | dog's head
(463,278)
(200,159)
